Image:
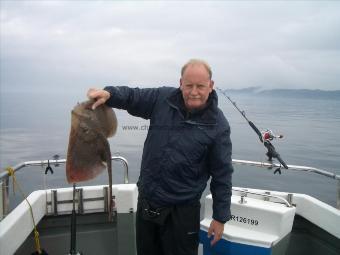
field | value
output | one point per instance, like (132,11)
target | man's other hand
(216,229)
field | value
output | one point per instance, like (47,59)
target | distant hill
(295,93)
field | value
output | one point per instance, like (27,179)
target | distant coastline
(294,93)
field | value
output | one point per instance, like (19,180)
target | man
(187,143)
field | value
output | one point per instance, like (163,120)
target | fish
(88,152)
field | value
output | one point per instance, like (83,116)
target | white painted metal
(272,211)
(314,210)
(274,221)
(126,198)
(4,175)
(321,214)
(16,227)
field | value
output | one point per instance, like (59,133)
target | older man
(187,143)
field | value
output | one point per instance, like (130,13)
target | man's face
(196,86)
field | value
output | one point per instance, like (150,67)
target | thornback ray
(88,152)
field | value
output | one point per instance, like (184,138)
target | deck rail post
(4,197)
(338,196)
(1,200)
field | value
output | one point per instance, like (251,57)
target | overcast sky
(52,45)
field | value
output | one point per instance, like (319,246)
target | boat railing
(295,168)
(4,178)
(266,196)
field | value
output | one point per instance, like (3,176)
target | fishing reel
(268,135)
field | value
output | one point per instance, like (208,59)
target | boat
(263,221)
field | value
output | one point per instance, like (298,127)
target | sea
(36,125)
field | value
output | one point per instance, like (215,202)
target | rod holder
(266,198)
(80,200)
(243,196)
(106,199)
(290,198)
(54,199)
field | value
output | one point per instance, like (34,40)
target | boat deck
(95,235)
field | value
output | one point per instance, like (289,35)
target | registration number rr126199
(245,220)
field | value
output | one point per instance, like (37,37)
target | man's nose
(194,90)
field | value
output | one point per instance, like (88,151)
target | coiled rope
(11,173)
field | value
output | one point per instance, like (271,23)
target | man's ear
(212,83)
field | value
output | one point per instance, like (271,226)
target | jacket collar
(207,115)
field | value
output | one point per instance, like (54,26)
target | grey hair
(197,62)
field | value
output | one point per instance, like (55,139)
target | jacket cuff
(111,90)
(221,221)
(108,89)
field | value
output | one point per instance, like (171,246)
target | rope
(11,173)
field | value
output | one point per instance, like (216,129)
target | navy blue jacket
(182,149)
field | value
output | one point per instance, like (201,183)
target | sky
(61,46)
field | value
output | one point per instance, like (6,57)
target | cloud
(52,45)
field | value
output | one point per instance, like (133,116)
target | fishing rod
(265,136)
(73,250)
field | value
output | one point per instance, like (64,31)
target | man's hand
(100,95)
(216,228)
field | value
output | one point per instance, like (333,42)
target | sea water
(35,126)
